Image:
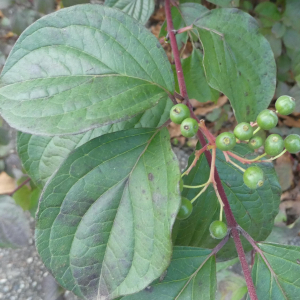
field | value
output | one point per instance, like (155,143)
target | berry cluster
(274,144)
(244,132)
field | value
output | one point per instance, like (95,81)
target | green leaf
(232,43)
(295,93)
(275,44)
(67,3)
(4,136)
(226,3)
(291,39)
(281,282)
(278,30)
(268,10)
(22,197)
(141,10)
(42,155)
(254,210)
(105,217)
(183,16)
(14,226)
(185,261)
(80,68)
(196,82)
(291,14)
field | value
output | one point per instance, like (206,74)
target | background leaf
(226,3)
(141,10)
(56,84)
(232,43)
(185,261)
(67,3)
(254,210)
(291,13)
(184,15)
(105,218)
(196,82)
(14,226)
(282,282)
(42,155)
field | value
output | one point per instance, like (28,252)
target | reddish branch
(232,224)
(18,187)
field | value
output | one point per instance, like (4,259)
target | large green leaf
(105,218)
(14,225)
(238,60)
(196,82)
(281,281)
(42,155)
(141,10)
(254,210)
(185,262)
(80,68)
(184,15)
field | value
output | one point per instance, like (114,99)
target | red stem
(232,224)
(18,187)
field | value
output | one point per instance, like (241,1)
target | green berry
(243,131)
(285,105)
(181,185)
(274,144)
(185,209)
(179,112)
(292,143)
(225,141)
(253,177)
(218,229)
(189,127)
(256,142)
(267,119)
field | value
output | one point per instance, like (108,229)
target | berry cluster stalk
(232,224)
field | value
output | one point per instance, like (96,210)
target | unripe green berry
(225,141)
(179,112)
(218,229)
(285,105)
(267,119)
(185,209)
(243,131)
(255,142)
(189,127)
(292,143)
(274,144)
(253,177)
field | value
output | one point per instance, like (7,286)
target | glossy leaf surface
(238,60)
(105,218)
(174,284)
(141,10)
(254,210)
(80,68)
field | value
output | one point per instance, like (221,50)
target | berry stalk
(228,212)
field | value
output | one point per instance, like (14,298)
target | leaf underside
(254,210)
(105,218)
(80,68)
